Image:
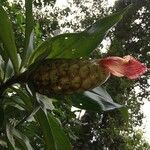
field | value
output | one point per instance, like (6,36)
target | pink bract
(127,66)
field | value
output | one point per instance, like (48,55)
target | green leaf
(45,101)
(1,116)
(24,97)
(55,138)
(2,68)
(41,52)
(3,143)
(8,70)
(10,137)
(76,45)
(82,44)
(14,101)
(3,53)
(15,136)
(7,38)
(72,45)
(83,102)
(95,100)
(46,129)
(61,140)
(22,140)
(29,32)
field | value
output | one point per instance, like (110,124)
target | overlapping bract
(68,76)
(127,66)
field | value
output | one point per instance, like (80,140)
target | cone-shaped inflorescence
(66,76)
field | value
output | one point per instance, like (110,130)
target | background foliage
(20,114)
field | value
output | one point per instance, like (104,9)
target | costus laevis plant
(68,76)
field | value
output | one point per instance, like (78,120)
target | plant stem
(22,78)
(28,116)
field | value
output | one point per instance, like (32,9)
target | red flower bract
(126,66)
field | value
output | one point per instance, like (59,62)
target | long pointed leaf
(76,45)
(29,32)
(95,100)
(55,138)
(1,116)
(15,136)
(2,68)
(82,44)
(7,38)
(22,139)
(24,97)
(47,131)
(41,52)
(62,142)
(10,137)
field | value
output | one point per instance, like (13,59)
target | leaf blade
(22,139)
(55,138)
(76,45)
(61,139)
(44,124)
(10,137)
(29,32)
(95,100)
(7,38)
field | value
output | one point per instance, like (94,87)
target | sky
(65,3)
(146,121)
